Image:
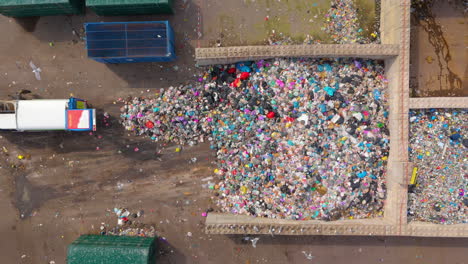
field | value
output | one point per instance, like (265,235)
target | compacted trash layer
(438,149)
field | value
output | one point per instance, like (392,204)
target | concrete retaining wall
(226,55)
(438,102)
(239,224)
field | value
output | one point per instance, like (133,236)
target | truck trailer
(70,114)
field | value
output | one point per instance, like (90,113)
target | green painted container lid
(23,8)
(98,249)
(130,7)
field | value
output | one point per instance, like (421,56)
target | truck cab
(41,115)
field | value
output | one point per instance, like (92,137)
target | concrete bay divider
(226,55)
(395,36)
(438,102)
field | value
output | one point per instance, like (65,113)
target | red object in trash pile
(149,124)
(270,114)
(244,75)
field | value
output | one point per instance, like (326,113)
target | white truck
(40,115)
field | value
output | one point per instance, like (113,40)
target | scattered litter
(133,230)
(207,178)
(252,240)
(429,59)
(127,227)
(140,213)
(308,255)
(120,186)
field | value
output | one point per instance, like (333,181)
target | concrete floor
(67,186)
(438,52)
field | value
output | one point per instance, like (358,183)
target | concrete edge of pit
(228,224)
(226,55)
(219,223)
(423,229)
(438,102)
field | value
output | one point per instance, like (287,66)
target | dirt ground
(254,22)
(67,187)
(438,51)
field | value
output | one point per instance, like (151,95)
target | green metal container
(26,8)
(130,7)
(97,249)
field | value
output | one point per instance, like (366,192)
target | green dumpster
(27,8)
(130,7)
(98,249)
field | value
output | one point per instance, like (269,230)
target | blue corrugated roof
(131,40)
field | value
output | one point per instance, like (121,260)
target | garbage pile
(125,216)
(127,225)
(178,115)
(439,151)
(295,138)
(342,23)
(133,230)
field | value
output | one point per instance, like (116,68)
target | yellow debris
(322,190)
(429,59)
(243,189)
(414,176)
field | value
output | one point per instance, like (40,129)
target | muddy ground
(438,49)
(256,22)
(66,187)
